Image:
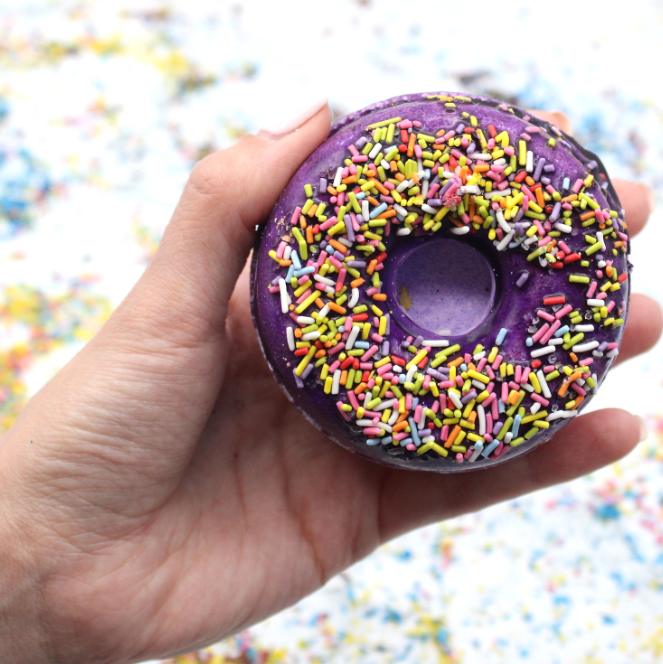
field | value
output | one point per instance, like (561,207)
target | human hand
(161,492)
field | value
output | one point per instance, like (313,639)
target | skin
(160,492)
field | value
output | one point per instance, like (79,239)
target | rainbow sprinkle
(428,396)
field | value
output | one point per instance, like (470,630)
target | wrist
(22,634)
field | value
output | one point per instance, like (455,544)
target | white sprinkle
(309,336)
(410,374)
(285,298)
(403,186)
(565,228)
(482,420)
(429,209)
(354,333)
(539,352)
(508,437)
(290,336)
(354,298)
(365,212)
(324,311)
(529,164)
(324,280)
(403,231)
(375,151)
(306,320)
(583,328)
(612,353)
(536,407)
(287,252)
(400,210)
(478,448)
(389,403)
(336,381)
(544,384)
(595,303)
(583,348)
(502,222)
(393,417)
(527,386)
(338,177)
(435,343)
(459,231)
(561,414)
(385,426)
(501,246)
(457,402)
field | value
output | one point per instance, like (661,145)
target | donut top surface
(444,282)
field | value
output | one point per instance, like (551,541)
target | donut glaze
(511,273)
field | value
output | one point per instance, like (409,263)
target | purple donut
(443,284)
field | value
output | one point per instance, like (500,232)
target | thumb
(185,290)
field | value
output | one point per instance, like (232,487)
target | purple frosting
(518,289)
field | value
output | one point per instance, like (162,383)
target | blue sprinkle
(501,336)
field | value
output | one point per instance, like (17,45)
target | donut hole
(445,287)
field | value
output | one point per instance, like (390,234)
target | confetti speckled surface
(105,106)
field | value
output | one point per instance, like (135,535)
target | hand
(161,492)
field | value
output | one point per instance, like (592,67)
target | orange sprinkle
(473,416)
(570,199)
(387,214)
(373,201)
(380,187)
(539,197)
(313,210)
(337,245)
(587,215)
(399,426)
(338,309)
(298,332)
(321,353)
(349,180)
(530,181)
(344,376)
(513,397)
(284,263)
(452,436)
(481,168)
(410,145)
(371,267)
(454,363)
(332,191)
(355,283)
(381,297)
(399,176)
(360,388)
(302,221)
(319,303)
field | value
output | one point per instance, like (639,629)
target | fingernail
(284,119)
(563,121)
(651,199)
(643,430)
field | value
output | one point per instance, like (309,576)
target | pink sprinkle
(333,366)
(335,349)
(563,311)
(303,296)
(295,216)
(509,150)
(577,186)
(384,369)
(399,436)
(496,364)
(548,335)
(592,289)
(411,447)
(444,433)
(353,399)
(365,366)
(540,332)
(525,376)
(482,364)
(505,392)
(443,402)
(610,306)
(586,362)
(581,391)
(408,401)
(539,398)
